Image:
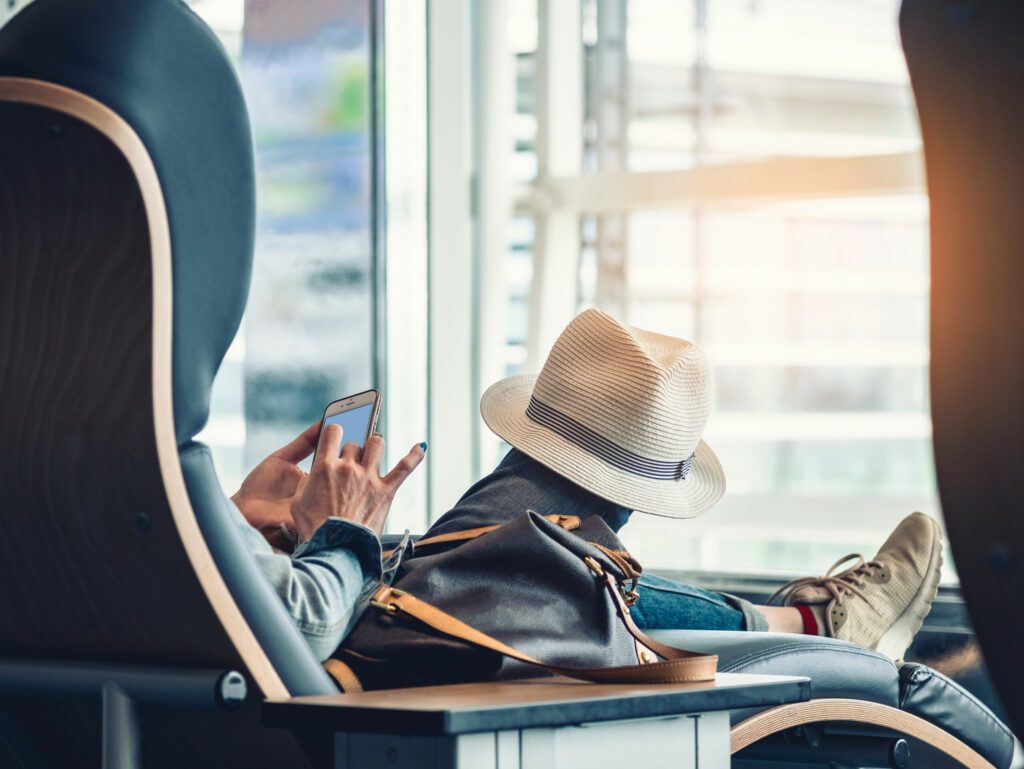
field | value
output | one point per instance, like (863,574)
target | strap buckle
(389,607)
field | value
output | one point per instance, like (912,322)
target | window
(318,325)
(747,174)
(309,335)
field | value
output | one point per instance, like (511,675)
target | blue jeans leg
(668,605)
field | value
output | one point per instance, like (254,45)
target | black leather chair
(861,707)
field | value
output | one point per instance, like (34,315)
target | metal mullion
(451,410)
(559,113)
(611,116)
(378,208)
(702,118)
(739,183)
(494,96)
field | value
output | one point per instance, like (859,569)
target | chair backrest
(966,62)
(126,236)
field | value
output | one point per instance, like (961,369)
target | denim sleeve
(324,583)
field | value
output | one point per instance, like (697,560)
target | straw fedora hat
(618,411)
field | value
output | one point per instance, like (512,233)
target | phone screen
(355,424)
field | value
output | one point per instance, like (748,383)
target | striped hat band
(580,435)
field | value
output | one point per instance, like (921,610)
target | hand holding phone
(345,481)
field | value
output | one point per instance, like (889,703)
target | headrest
(159,67)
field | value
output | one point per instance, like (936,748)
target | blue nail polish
(423,445)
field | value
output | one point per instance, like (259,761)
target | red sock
(810,623)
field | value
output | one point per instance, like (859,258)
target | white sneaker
(879,604)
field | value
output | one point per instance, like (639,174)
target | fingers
(301,447)
(373,451)
(351,452)
(405,466)
(330,444)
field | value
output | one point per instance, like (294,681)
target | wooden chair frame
(774,720)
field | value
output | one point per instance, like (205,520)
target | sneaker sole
(897,639)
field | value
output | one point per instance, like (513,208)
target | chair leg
(777,719)
(120,729)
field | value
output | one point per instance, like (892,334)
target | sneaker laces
(850,581)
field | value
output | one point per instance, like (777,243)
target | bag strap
(567,522)
(343,675)
(678,666)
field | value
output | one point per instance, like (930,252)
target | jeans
(519,483)
(669,605)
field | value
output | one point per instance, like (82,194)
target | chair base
(121,688)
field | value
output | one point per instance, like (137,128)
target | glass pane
(814,312)
(831,82)
(661,88)
(307,337)
(731,79)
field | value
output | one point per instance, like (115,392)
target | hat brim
(503,408)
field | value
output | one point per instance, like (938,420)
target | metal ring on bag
(630,594)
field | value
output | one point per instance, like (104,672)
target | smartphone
(357,415)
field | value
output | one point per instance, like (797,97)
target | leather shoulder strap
(343,675)
(567,522)
(678,666)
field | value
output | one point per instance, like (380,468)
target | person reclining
(634,395)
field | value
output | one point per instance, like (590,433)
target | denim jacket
(327,582)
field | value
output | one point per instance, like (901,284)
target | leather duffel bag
(533,596)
